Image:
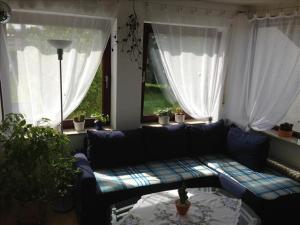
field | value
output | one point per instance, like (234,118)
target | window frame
(106,89)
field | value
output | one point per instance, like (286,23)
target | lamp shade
(59,44)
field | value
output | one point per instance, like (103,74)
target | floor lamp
(60,45)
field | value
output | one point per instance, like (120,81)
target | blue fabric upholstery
(165,142)
(267,185)
(249,148)
(108,149)
(207,138)
(160,172)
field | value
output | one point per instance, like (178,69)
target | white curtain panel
(234,103)
(272,68)
(194,62)
(32,85)
(156,65)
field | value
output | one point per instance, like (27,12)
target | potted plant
(36,168)
(179,115)
(182,204)
(285,130)
(79,121)
(163,115)
(100,120)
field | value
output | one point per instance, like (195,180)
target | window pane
(92,102)
(293,115)
(157,93)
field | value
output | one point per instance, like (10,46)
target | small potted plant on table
(179,115)
(79,121)
(285,130)
(163,115)
(182,204)
(100,120)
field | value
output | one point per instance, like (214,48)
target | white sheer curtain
(271,74)
(32,85)
(194,62)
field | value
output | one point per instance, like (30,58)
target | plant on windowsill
(79,121)
(100,120)
(163,115)
(36,168)
(179,115)
(182,204)
(285,130)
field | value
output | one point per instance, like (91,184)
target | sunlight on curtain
(32,85)
(271,80)
(194,62)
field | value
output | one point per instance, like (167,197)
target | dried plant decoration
(131,42)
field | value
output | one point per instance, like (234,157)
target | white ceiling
(242,2)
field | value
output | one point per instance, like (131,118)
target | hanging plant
(131,42)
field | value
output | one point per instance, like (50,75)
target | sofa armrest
(86,190)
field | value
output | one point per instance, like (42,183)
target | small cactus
(183,197)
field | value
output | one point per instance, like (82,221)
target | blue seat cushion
(249,148)
(207,138)
(108,149)
(165,142)
(267,185)
(156,172)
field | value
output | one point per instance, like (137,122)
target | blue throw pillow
(207,138)
(165,142)
(248,148)
(115,148)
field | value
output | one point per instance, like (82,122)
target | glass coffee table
(210,206)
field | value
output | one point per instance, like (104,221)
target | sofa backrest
(107,149)
(207,138)
(165,142)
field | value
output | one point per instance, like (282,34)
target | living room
(112,89)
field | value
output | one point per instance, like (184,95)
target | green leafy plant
(183,197)
(286,126)
(178,110)
(36,164)
(100,117)
(163,112)
(79,117)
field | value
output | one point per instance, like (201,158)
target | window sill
(189,121)
(75,132)
(273,133)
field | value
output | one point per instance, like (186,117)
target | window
(156,92)
(97,99)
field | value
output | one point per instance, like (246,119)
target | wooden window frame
(106,89)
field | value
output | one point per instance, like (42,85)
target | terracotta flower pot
(182,208)
(283,133)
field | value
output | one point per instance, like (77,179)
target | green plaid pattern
(267,185)
(160,172)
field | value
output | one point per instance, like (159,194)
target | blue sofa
(118,165)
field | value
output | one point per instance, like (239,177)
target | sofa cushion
(150,173)
(267,185)
(207,138)
(248,148)
(165,142)
(115,148)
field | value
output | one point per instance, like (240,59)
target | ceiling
(255,2)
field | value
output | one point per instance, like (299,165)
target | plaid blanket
(167,171)
(267,185)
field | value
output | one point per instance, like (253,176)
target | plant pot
(182,209)
(163,120)
(79,126)
(179,118)
(283,133)
(31,213)
(98,125)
